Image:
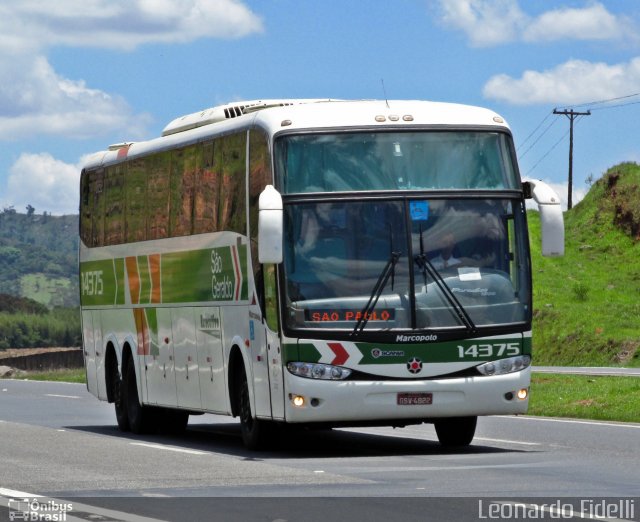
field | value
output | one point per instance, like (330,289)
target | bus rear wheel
(256,433)
(142,419)
(456,432)
(119,399)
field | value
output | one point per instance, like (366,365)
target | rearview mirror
(270,229)
(551,219)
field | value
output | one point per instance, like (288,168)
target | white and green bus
(312,262)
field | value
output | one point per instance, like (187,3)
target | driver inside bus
(446,259)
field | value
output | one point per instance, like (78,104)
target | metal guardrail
(588,370)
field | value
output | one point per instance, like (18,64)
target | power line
(534,130)
(541,135)
(548,152)
(601,102)
(551,149)
(614,106)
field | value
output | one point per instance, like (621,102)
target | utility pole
(571,114)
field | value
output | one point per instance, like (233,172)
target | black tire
(117,391)
(142,419)
(456,432)
(256,433)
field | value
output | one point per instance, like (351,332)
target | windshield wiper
(388,271)
(427,268)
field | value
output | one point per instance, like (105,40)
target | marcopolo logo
(415,338)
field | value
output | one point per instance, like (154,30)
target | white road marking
(168,448)
(16,494)
(509,441)
(62,396)
(9,496)
(575,421)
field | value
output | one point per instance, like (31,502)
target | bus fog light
(508,396)
(523,394)
(297,400)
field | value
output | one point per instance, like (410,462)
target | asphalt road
(60,442)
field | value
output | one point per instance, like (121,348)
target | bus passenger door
(274,350)
(89,347)
(259,362)
(210,359)
(276,384)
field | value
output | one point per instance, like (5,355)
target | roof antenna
(385,93)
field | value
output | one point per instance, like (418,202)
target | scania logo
(377,352)
(414,365)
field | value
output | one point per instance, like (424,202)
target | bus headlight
(318,371)
(510,365)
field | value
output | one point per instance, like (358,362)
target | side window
(136,200)
(205,202)
(270,297)
(96,195)
(158,195)
(85,208)
(259,177)
(232,194)
(183,177)
(114,205)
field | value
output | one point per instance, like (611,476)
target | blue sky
(76,76)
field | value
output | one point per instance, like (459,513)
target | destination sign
(334,315)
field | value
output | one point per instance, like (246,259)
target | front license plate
(415,399)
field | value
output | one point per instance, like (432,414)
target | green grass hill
(587,304)
(39,257)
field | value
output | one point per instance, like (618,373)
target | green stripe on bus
(193,276)
(464,350)
(152,322)
(145,280)
(118,269)
(99,284)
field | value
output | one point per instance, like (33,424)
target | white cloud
(590,23)
(57,184)
(39,101)
(572,82)
(120,24)
(485,22)
(494,22)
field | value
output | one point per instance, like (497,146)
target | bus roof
(298,114)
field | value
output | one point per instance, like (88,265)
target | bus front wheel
(456,432)
(255,432)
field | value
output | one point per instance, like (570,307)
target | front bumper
(342,402)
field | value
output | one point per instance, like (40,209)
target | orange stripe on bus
(154,271)
(142,330)
(134,279)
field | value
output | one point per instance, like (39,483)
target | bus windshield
(406,264)
(427,160)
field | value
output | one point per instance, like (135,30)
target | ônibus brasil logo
(414,365)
